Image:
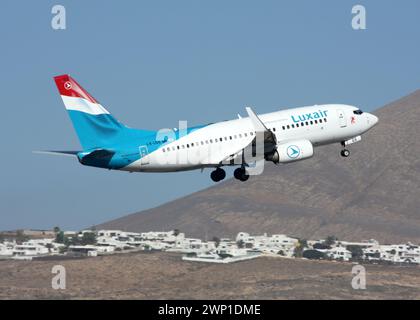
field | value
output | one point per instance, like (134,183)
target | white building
(399,253)
(6,250)
(156,240)
(191,245)
(339,253)
(29,249)
(112,242)
(109,233)
(89,250)
(170,237)
(156,245)
(275,244)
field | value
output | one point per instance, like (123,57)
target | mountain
(375,193)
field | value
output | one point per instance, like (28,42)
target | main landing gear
(218,175)
(240,174)
(345,152)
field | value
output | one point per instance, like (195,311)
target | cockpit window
(358,111)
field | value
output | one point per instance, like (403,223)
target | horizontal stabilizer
(58,153)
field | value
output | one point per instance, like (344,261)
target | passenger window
(297,125)
(316,121)
(221,139)
(320,120)
(325,119)
(293,126)
(312,122)
(288,126)
(284,128)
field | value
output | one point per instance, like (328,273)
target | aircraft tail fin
(94,125)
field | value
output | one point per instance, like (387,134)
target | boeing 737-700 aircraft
(286,136)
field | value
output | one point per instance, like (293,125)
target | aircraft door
(143,155)
(341,119)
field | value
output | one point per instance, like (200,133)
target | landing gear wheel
(240,174)
(345,153)
(218,175)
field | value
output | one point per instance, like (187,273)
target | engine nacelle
(292,151)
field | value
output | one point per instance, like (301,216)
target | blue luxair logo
(309,116)
(293,152)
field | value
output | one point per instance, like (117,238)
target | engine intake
(291,151)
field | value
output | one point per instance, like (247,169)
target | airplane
(280,137)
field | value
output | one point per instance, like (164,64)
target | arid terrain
(163,275)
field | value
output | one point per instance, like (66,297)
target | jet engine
(291,151)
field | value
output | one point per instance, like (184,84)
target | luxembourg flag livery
(94,125)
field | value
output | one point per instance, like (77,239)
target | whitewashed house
(109,233)
(275,244)
(400,253)
(226,247)
(52,246)
(159,235)
(6,249)
(339,253)
(89,250)
(29,249)
(156,245)
(191,245)
(109,244)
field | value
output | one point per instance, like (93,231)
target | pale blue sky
(152,63)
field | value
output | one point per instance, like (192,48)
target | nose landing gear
(345,152)
(218,175)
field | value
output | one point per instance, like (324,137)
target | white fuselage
(320,124)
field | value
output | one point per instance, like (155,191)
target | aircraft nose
(372,119)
